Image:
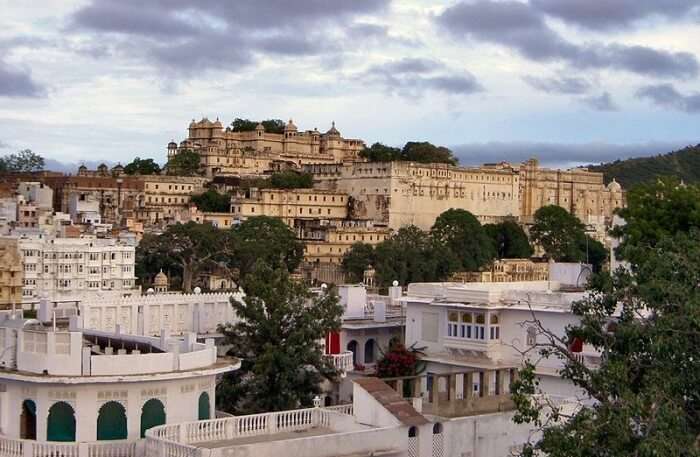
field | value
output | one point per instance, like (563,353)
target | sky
(568,81)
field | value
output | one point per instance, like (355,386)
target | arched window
(352,347)
(111,422)
(27,420)
(437,428)
(412,432)
(369,351)
(204,407)
(152,415)
(61,422)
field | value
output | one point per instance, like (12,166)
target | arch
(111,422)
(352,347)
(60,425)
(369,350)
(328,401)
(27,420)
(437,428)
(204,407)
(152,415)
(412,431)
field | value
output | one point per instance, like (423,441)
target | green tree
(142,167)
(412,255)
(277,338)
(246,125)
(151,258)
(461,233)
(291,180)
(267,239)
(643,398)
(424,152)
(509,239)
(184,163)
(356,260)
(379,152)
(593,252)
(24,161)
(212,202)
(192,247)
(559,233)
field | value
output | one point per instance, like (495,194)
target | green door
(61,422)
(111,422)
(204,412)
(152,414)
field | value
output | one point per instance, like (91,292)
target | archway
(352,347)
(111,422)
(152,414)
(204,408)
(27,420)
(61,422)
(369,351)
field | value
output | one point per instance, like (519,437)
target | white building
(84,209)
(73,268)
(490,326)
(37,193)
(61,383)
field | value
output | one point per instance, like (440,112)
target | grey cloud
(4,145)
(613,14)
(18,83)
(560,154)
(519,26)
(602,102)
(560,85)
(667,96)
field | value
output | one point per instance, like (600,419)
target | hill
(683,164)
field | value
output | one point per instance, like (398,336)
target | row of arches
(111,419)
(370,351)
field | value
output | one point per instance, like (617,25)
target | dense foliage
(422,152)
(356,260)
(277,338)
(509,239)
(267,239)
(291,180)
(184,163)
(683,164)
(645,321)
(212,201)
(22,162)
(399,361)
(462,234)
(140,166)
(246,125)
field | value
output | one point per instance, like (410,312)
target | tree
(356,260)
(593,252)
(425,152)
(151,258)
(400,361)
(184,163)
(246,125)
(643,398)
(378,152)
(291,180)
(212,202)
(461,233)
(142,167)
(24,161)
(267,239)
(192,247)
(559,233)
(412,255)
(277,338)
(509,239)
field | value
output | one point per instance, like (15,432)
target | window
(531,338)
(494,328)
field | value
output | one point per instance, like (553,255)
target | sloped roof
(392,401)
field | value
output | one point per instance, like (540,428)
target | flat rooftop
(266,438)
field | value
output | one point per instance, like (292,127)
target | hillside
(683,164)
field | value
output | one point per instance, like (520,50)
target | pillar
(436,389)
(399,387)
(488,378)
(468,386)
(452,387)
(500,382)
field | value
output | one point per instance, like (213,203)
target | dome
(172,145)
(260,127)
(193,124)
(217,123)
(82,168)
(333,130)
(161,279)
(614,186)
(290,126)
(118,167)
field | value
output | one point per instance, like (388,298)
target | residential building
(506,270)
(168,198)
(249,153)
(11,274)
(328,243)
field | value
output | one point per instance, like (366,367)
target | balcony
(11,447)
(342,362)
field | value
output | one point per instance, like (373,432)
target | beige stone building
(507,270)
(223,151)
(168,198)
(328,244)
(403,193)
(11,274)
(291,205)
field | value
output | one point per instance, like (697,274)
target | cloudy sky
(570,81)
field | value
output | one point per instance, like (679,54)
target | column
(488,378)
(436,389)
(500,382)
(452,387)
(468,386)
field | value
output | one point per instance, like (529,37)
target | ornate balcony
(342,362)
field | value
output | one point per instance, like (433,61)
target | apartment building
(11,274)
(328,243)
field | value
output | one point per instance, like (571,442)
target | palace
(243,153)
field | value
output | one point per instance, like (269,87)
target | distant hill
(683,164)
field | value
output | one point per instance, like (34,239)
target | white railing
(230,428)
(11,447)
(342,409)
(342,362)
